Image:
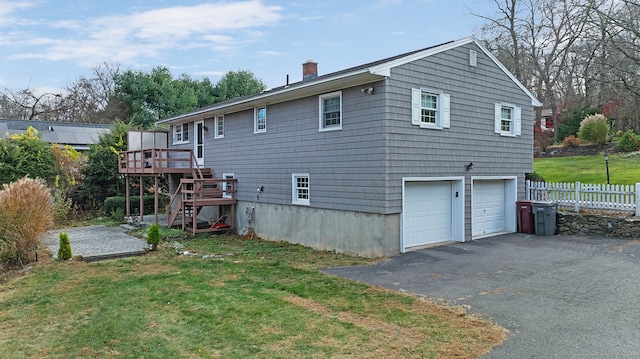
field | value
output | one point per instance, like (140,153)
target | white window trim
(255,119)
(321,98)
(443,111)
(516,128)
(224,184)
(216,122)
(175,133)
(294,189)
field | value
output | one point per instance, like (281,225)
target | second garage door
(488,207)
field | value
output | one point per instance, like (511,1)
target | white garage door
(427,213)
(488,207)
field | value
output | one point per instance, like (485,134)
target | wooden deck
(192,194)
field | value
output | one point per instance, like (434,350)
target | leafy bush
(25,213)
(534,177)
(570,141)
(25,155)
(629,141)
(594,128)
(64,251)
(153,236)
(117,204)
(570,119)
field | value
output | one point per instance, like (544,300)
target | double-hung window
(331,111)
(181,133)
(430,109)
(260,120)
(219,127)
(227,187)
(300,189)
(508,119)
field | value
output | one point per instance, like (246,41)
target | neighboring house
(546,120)
(77,135)
(422,148)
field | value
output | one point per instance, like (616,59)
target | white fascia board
(275,97)
(385,69)
(534,101)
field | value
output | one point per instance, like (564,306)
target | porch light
(468,167)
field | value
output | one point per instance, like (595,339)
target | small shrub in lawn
(570,141)
(25,213)
(153,236)
(629,141)
(594,128)
(64,251)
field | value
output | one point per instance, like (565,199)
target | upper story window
(331,111)
(181,133)
(260,120)
(508,119)
(300,189)
(219,127)
(430,109)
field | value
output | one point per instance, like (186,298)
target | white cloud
(269,53)
(218,26)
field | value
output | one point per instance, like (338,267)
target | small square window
(300,189)
(331,111)
(430,109)
(260,120)
(181,133)
(227,187)
(508,119)
(219,127)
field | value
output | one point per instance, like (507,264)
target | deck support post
(141,199)
(155,199)
(126,186)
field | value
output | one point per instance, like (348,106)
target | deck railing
(158,161)
(577,196)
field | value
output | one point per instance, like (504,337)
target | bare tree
(28,104)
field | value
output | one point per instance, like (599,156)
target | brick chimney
(309,70)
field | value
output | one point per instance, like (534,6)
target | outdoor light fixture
(468,167)
(606,163)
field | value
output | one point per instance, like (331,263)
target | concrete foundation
(363,234)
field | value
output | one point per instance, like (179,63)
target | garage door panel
(489,207)
(427,217)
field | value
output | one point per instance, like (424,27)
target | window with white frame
(331,111)
(227,187)
(260,120)
(181,133)
(508,119)
(219,127)
(300,189)
(430,109)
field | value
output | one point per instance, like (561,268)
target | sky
(46,45)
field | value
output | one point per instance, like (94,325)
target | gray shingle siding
(345,166)
(421,152)
(360,168)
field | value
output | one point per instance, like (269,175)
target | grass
(623,169)
(255,299)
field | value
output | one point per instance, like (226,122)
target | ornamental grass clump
(594,128)
(64,250)
(25,213)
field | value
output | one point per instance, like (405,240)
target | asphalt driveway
(560,297)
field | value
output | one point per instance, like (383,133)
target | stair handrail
(196,172)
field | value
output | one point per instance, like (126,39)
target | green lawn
(623,169)
(257,299)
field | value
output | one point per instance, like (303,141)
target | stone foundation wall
(598,225)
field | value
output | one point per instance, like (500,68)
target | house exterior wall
(418,152)
(345,167)
(356,173)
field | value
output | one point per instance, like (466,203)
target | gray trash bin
(545,217)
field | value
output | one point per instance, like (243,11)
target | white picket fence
(608,197)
